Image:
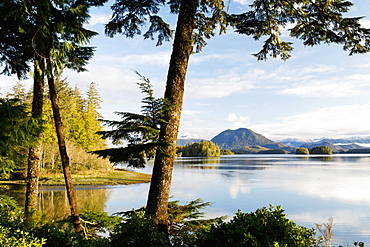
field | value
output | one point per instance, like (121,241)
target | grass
(96,177)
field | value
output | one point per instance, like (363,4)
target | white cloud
(238,121)
(243,2)
(220,86)
(98,19)
(365,23)
(324,88)
(158,59)
(320,81)
(189,113)
(317,68)
(335,122)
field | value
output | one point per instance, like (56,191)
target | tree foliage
(139,132)
(200,149)
(302,151)
(80,117)
(321,150)
(18,131)
(264,227)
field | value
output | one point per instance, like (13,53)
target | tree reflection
(53,201)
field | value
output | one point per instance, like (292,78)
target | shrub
(302,151)
(321,150)
(264,227)
(226,152)
(273,151)
(13,228)
(200,149)
(139,231)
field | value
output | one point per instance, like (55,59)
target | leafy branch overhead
(139,132)
(314,22)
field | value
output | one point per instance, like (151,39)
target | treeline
(328,150)
(80,117)
(358,151)
(199,149)
(315,150)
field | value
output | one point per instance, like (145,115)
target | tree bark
(160,186)
(35,153)
(63,150)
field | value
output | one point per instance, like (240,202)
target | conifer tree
(17,131)
(139,132)
(53,31)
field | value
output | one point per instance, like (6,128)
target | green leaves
(314,22)
(129,17)
(17,131)
(264,227)
(139,132)
(200,149)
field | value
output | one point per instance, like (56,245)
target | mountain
(334,147)
(363,141)
(240,138)
(184,142)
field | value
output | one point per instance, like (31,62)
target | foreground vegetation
(263,227)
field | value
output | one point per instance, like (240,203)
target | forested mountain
(240,138)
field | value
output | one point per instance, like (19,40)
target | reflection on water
(310,188)
(53,200)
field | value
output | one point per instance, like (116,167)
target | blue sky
(319,92)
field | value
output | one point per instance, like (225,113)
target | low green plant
(184,221)
(264,227)
(139,230)
(14,230)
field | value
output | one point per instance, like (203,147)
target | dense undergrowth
(264,227)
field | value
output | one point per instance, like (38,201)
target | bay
(310,188)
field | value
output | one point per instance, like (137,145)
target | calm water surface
(310,189)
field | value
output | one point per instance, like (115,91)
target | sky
(320,92)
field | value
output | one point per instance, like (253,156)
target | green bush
(264,227)
(321,150)
(139,231)
(13,229)
(273,151)
(200,149)
(226,152)
(302,151)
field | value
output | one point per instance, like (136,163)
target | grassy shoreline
(110,177)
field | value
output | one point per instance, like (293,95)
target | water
(310,188)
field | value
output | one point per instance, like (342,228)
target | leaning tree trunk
(63,151)
(35,152)
(160,186)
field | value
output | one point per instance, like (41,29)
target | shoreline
(116,176)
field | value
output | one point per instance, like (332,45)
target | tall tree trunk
(160,186)
(63,150)
(35,152)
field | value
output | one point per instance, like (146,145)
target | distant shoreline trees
(199,149)
(315,150)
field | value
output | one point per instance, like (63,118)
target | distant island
(246,141)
